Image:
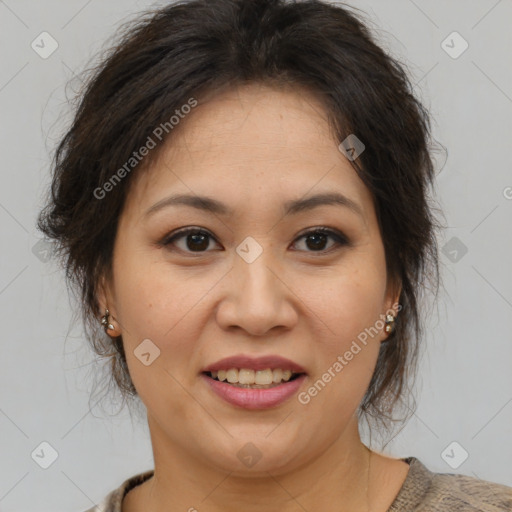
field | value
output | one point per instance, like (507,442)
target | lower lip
(255,398)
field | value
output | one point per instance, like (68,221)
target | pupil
(317,236)
(201,238)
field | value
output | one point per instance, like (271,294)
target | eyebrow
(210,205)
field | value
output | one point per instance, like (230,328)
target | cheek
(350,303)
(148,299)
(349,309)
(156,304)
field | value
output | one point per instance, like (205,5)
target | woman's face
(251,283)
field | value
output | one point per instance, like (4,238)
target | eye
(316,239)
(198,240)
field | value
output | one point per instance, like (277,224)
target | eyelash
(340,239)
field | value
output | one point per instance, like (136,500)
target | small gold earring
(390,323)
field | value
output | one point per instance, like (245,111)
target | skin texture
(253,148)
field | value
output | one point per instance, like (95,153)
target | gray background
(464,392)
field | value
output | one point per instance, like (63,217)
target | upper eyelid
(186,231)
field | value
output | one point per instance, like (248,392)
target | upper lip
(254,363)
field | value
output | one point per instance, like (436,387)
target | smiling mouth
(253,379)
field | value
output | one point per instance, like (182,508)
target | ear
(393,292)
(103,295)
(106,300)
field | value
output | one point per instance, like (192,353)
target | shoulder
(427,491)
(112,502)
(466,493)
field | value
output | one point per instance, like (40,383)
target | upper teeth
(248,376)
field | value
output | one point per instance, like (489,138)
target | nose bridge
(258,300)
(255,276)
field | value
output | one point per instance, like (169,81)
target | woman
(242,201)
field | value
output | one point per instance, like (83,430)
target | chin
(254,456)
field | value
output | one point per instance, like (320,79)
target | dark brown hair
(187,49)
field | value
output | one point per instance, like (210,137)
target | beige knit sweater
(422,491)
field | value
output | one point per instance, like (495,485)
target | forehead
(252,145)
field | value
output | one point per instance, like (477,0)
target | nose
(257,299)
